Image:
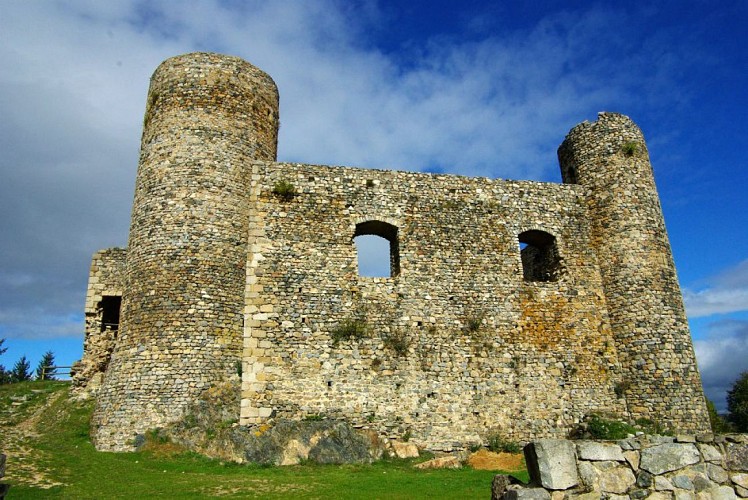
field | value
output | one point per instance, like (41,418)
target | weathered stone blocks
(552,463)
(512,307)
(668,457)
(675,470)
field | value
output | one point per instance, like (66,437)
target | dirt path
(22,464)
(487,460)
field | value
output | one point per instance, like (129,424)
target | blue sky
(470,87)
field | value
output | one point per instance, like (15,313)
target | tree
(44,368)
(717,421)
(737,403)
(4,374)
(21,370)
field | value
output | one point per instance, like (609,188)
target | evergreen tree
(21,370)
(4,374)
(737,403)
(717,421)
(44,368)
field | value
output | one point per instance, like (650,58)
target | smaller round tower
(208,116)
(660,379)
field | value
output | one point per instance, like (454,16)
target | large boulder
(291,442)
(209,427)
(616,480)
(499,486)
(404,450)
(668,457)
(736,456)
(740,479)
(552,463)
(596,451)
(526,494)
(710,453)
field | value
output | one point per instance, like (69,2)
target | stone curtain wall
(106,279)
(237,264)
(653,467)
(480,349)
(661,382)
(208,116)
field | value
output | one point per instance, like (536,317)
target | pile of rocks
(652,467)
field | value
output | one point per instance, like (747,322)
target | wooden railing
(55,371)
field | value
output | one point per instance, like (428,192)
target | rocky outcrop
(209,426)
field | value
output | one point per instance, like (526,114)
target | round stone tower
(660,379)
(208,116)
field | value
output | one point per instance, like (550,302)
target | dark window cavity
(540,261)
(110,305)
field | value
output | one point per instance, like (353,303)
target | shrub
(473,322)
(602,428)
(649,426)
(717,422)
(284,190)
(398,341)
(630,148)
(621,387)
(498,444)
(351,328)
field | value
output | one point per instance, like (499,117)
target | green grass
(63,447)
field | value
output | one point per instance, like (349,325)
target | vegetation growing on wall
(284,190)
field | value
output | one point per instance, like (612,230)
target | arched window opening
(540,261)
(377,248)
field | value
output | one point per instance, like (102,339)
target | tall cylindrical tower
(207,117)
(661,382)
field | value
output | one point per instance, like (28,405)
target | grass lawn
(55,448)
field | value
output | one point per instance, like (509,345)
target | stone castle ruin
(512,306)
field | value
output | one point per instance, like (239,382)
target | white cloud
(726,293)
(722,356)
(73,93)
(35,324)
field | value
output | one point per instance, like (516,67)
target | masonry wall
(542,356)
(106,279)
(238,264)
(609,158)
(207,117)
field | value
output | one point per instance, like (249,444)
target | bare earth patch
(488,460)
